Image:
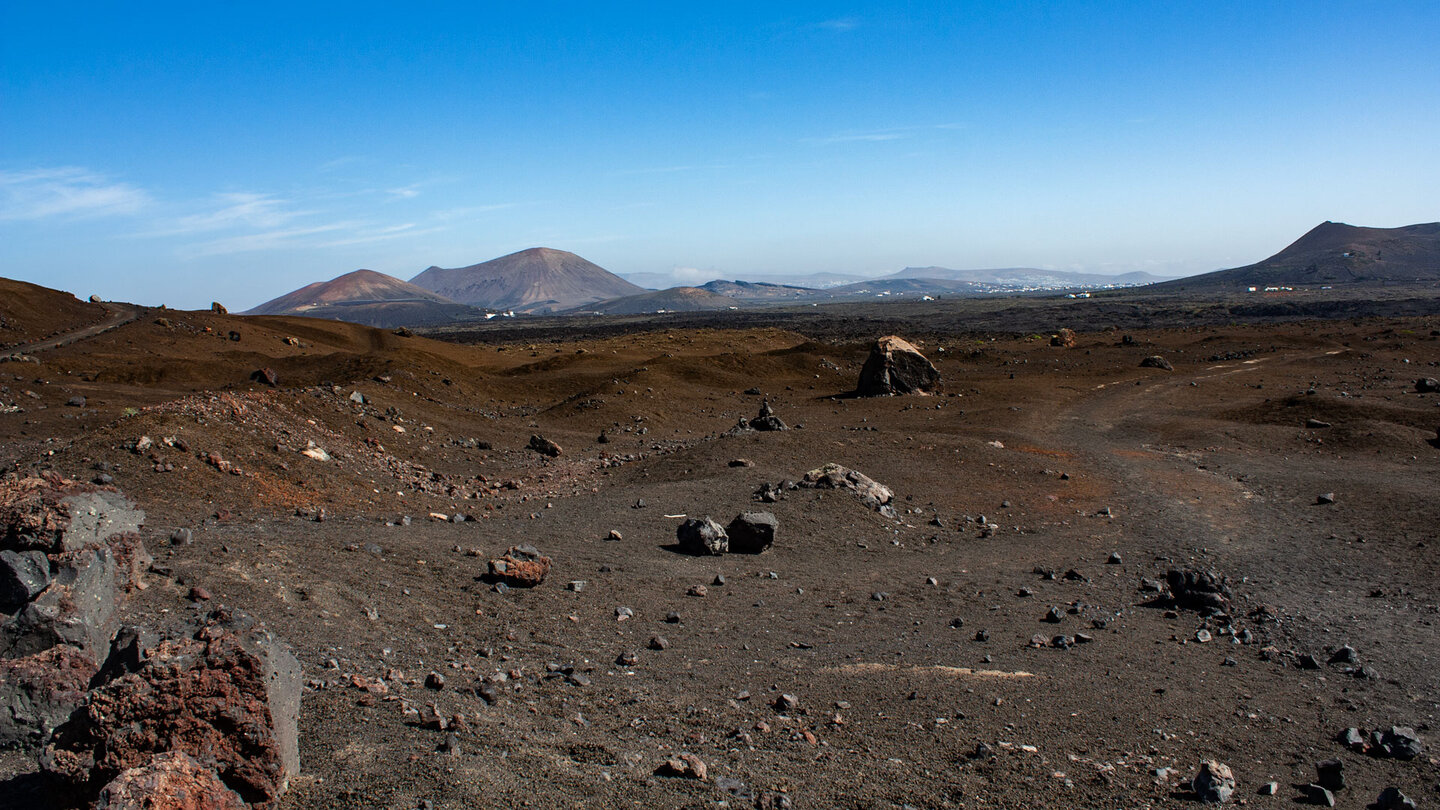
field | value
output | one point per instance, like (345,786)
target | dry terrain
(905,640)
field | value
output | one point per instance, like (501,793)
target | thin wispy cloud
(65,191)
(859,137)
(840,24)
(363,237)
(234,210)
(283,239)
(404,192)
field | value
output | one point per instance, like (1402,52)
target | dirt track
(1209,466)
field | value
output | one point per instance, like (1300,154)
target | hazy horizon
(178,154)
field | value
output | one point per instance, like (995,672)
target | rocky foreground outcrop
(117,715)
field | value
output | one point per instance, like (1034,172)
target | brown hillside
(534,280)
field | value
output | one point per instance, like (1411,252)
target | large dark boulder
(752,532)
(896,367)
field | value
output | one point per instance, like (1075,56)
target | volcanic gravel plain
(870,659)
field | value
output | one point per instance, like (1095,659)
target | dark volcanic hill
(758,291)
(1336,253)
(534,280)
(369,298)
(675,299)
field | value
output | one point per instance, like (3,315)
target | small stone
(450,745)
(1330,774)
(623,613)
(879,596)
(1316,424)
(787,703)
(1345,655)
(615,535)
(628,658)
(1352,738)
(1325,498)
(684,766)
(697,590)
(658,643)
(1053,615)
(199,594)
(719,581)
(672,617)
(1269,789)
(982,635)
(1203,636)
(576,585)
(1401,742)
(1319,795)
(435,681)
(1392,799)
(1215,783)
(544,446)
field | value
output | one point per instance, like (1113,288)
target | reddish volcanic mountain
(369,298)
(534,280)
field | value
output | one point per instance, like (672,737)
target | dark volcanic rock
(265,376)
(39,692)
(522,566)
(170,781)
(544,446)
(752,532)
(1203,591)
(77,609)
(230,695)
(23,575)
(702,536)
(896,367)
(1156,361)
(1427,385)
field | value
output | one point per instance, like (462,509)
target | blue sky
(178,153)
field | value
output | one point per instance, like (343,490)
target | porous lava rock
(54,514)
(228,695)
(752,532)
(896,367)
(521,566)
(169,781)
(1064,339)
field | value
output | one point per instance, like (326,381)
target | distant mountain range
(543,280)
(369,298)
(531,281)
(1029,277)
(1334,253)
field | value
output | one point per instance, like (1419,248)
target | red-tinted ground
(1209,466)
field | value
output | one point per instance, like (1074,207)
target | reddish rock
(227,696)
(265,376)
(1064,339)
(522,566)
(39,692)
(170,781)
